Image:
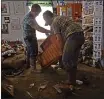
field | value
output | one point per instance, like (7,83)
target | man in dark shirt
(73,38)
(29,33)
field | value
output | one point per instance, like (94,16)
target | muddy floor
(27,84)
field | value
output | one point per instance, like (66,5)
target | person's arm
(55,28)
(52,32)
(35,25)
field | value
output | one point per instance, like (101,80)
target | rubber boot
(72,76)
(33,65)
(27,62)
(27,59)
(61,63)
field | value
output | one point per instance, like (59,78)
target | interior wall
(17,34)
(14,34)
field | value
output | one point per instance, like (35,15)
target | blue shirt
(28,31)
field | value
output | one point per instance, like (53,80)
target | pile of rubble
(86,53)
(9,48)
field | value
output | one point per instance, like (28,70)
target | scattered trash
(29,94)
(42,86)
(79,82)
(57,88)
(11,72)
(59,69)
(99,64)
(9,88)
(8,52)
(31,85)
(54,66)
(86,52)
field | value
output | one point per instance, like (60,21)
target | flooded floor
(27,84)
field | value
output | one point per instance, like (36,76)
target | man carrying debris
(29,33)
(73,38)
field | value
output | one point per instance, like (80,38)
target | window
(41,21)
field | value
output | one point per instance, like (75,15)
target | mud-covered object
(11,72)
(99,64)
(8,53)
(86,53)
(16,61)
(9,48)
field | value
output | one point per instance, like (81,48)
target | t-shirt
(65,25)
(27,29)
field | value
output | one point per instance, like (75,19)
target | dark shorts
(72,49)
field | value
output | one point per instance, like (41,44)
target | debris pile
(86,53)
(9,48)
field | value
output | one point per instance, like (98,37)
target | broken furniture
(52,50)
